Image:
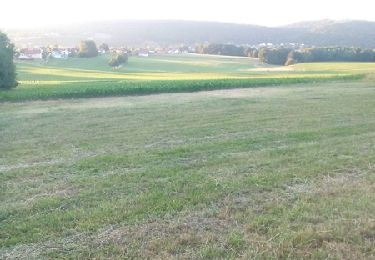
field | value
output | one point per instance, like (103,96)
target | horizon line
(58,25)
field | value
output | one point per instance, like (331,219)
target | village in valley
(61,52)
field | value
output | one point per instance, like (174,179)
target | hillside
(343,33)
(132,32)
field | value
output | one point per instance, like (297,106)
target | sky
(46,13)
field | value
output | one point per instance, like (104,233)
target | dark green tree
(277,56)
(122,58)
(7,67)
(87,49)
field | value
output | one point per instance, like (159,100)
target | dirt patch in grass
(55,192)
(329,184)
(4,168)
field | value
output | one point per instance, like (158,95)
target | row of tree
(226,50)
(288,56)
(285,56)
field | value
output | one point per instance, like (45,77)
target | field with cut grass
(270,171)
(157,74)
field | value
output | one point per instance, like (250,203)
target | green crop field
(283,167)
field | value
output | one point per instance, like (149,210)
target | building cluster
(45,53)
(58,52)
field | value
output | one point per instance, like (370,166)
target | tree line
(289,56)
(285,56)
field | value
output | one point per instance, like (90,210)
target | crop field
(157,74)
(280,168)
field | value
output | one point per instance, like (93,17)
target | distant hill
(342,33)
(132,32)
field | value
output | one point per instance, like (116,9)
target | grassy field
(281,171)
(157,74)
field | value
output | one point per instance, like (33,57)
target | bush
(118,59)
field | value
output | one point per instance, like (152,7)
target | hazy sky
(36,13)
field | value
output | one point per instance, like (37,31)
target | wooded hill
(132,32)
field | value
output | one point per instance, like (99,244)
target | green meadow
(157,74)
(271,163)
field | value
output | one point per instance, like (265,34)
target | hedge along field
(157,74)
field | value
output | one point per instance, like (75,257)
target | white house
(60,54)
(143,54)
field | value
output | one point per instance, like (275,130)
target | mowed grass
(156,74)
(274,172)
